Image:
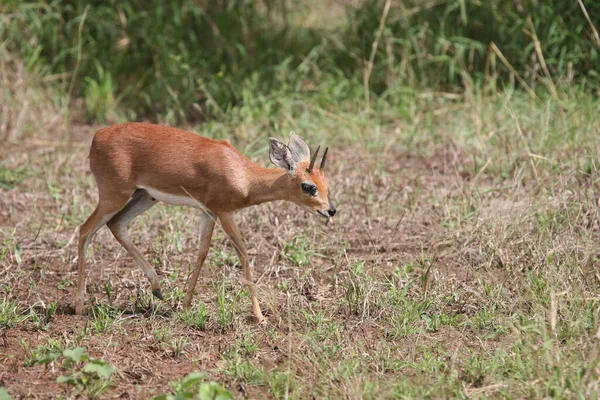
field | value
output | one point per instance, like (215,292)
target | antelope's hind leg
(141,201)
(104,211)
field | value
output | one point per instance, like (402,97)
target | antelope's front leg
(207,223)
(233,232)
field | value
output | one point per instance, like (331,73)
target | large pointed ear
(299,148)
(281,155)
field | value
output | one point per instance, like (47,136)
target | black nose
(331,211)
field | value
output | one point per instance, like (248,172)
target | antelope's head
(310,189)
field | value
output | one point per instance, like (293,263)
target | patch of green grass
(357,289)
(10,247)
(12,313)
(102,318)
(319,324)
(281,384)
(11,177)
(227,304)
(163,334)
(241,370)
(177,346)
(245,346)
(299,251)
(196,317)
(435,320)
(404,313)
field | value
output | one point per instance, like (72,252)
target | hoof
(79,309)
(158,294)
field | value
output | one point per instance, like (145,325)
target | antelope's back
(168,159)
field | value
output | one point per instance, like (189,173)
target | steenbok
(137,165)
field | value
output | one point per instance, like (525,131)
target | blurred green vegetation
(198,59)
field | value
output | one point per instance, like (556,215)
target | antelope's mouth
(322,214)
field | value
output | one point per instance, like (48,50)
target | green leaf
(4,395)
(66,379)
(101,368)
(213,391)
(192,379)
(77,354)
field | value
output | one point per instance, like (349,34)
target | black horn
(312,162)
(324,159)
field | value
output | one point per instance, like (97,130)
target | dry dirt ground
(395,289)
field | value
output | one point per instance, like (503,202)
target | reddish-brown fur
(128,158)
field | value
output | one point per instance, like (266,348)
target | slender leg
(233,232)
(140,202)
(101,215)
(207,224)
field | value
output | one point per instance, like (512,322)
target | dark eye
(309,189)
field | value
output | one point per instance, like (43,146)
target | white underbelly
(173,199)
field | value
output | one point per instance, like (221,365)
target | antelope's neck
(269,184)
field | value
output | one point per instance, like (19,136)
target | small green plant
(242,370)
(225,310)
(298,251)
(12,177)
(10,247)
(280,383)
(102,317)
(41,319)
(355,296)
(42,354)
(177,294)
(64,283)
(163,334)
(405,312)
(322,326)
(11,313)
(108,291)
(486,320)
(196,317)
(245,346)
(85,374)
(178,346)
(283,286)
(194,386)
